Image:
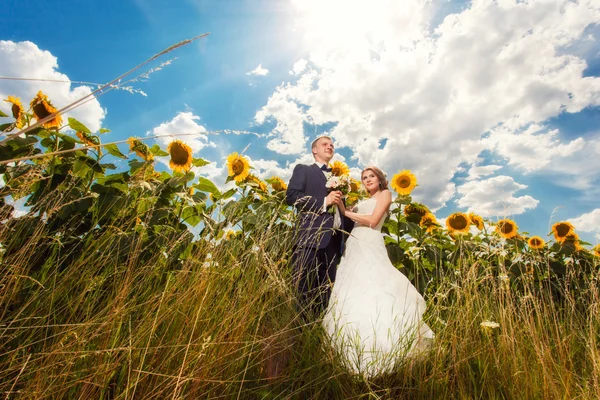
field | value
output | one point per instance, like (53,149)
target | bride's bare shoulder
(385,194)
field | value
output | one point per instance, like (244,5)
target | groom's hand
(333,198)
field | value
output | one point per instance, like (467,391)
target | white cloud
(289,114)
(477,171)
(183,123)
(379,73)
(258,71)
(532,149)
(27,60)
(589,222)
(494,197)
(299,67)
(268,168)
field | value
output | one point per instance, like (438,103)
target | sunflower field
(135,283)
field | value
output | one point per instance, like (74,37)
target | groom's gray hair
(314,142)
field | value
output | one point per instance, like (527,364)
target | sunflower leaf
(114,150)
(206,185)
(5,127)
(109,166)
(81,168)
(157,151)
(228,193)
(389,240)
(78,126)
(199,162)
(47,143)
(2,114)
(103,130)
(40,132)
(191,215)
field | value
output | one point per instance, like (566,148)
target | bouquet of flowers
(341,183)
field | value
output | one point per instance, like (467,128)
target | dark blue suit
(318,247)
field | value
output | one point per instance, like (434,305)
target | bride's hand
(342,207)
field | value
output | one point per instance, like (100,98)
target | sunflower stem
(182,200)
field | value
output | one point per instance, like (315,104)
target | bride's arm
(383,204)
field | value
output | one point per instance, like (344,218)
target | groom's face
(323,150)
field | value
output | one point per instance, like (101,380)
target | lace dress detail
(374,318)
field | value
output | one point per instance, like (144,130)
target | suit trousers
(314,274)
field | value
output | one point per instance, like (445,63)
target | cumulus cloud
(258,71)
(27,60)
(183,123)
(299,67)
(494,197)
(533,148)
(403,96)
(477,171)
(589,222)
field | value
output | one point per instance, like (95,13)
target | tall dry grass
(106,315)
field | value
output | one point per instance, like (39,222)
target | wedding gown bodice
(366,207)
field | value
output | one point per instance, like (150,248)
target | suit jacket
(306,192)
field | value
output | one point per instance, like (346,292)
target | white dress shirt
(337,219)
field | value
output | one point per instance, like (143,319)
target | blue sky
(494,105)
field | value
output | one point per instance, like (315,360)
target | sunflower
(354,185)
(404,182)
(596,250)
(351,199)
(18,111)
(476,220)
(238,167)
(416,208)
(561,230)
(278,184)
(536,242)
(507,228)
(429,222)
(42,108)
(88,140)
(458,223)
(261,185)
(181,156)
(573,239)
(230,234)
(140,149)
(339,168)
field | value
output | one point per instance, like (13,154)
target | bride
(374,317)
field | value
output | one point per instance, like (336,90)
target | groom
(320,235)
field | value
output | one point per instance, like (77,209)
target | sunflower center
(40,110)
(238,167)
(535,242)
(459,222)
(179,154)
(506,228)
(403,182)
(562,230)
(16,111)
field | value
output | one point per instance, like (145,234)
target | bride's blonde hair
(383,182)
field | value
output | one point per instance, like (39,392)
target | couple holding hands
(369,309)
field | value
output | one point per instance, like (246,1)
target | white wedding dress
(374,317)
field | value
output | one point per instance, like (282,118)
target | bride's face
(370,181)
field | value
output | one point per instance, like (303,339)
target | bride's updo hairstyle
(383,182)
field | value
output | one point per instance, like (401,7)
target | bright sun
(338,23)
